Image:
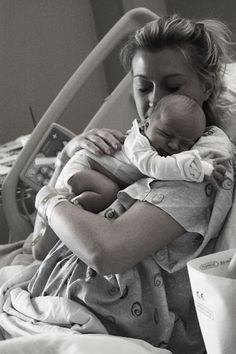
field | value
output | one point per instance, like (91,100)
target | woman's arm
(114,246)
(43,239)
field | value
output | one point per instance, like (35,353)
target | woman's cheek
(143,109)
(140,109)
(141,103)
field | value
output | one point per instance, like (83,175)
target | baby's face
(171,135)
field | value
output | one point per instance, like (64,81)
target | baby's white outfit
(137,159)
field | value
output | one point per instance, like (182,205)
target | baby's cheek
(156,141)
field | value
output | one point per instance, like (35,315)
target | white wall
(42,42)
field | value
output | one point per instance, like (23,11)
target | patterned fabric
(153,300)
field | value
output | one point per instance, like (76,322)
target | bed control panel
(40,167)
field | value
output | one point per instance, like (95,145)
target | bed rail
(19,227)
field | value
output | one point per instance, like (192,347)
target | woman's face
(158,74)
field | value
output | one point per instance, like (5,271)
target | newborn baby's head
(175,124)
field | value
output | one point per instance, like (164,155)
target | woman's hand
(98,141)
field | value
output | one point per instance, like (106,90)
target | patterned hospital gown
(153,300)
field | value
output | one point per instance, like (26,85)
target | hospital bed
(117,111)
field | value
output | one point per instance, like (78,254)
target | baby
(161,148)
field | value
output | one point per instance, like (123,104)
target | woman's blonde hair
(205,44)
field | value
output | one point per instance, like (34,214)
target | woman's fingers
(219,171)
(105,137)
(97,141)
(216,156)
(218,176)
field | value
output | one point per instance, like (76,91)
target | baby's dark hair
(179,106)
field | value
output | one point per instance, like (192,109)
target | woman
(129,268)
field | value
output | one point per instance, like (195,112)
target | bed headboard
(229,124)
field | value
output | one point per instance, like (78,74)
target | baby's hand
(218,174)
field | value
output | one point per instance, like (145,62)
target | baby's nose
(174,145)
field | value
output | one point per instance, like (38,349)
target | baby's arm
(95,189)
(77,163)
(186,165)
(204,161)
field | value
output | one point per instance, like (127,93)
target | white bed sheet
(77,344)
(27,336)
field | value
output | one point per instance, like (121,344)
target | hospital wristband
(54,201)
(42,208)
(45,199)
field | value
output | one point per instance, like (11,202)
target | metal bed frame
(116,112)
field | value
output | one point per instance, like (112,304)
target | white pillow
(230,76)
(227,238)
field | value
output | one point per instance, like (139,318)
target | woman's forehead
(163,63)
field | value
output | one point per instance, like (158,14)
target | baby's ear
(147,122)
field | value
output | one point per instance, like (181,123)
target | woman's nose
(154,97)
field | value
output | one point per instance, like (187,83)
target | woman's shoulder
(214,140)
(213,130)
(216,134)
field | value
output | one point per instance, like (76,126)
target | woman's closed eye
(142,85)
(174,89)
(144,89)
(174,85)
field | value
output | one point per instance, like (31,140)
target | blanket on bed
(56,322)
(62,318)
(21,315)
